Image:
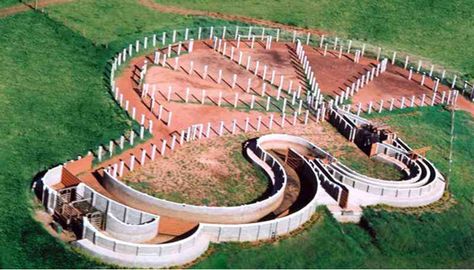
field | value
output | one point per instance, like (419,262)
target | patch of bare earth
(207,172)
(214,172)
(47,221)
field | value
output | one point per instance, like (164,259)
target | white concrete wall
(234,214)
(120,211)
(135,233)
(49,195)
(164,255)
(122,222)
(129,254)
(267,229)
(365,190)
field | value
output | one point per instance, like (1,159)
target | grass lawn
(388,239)
(438,30)
(8,3)
(117,22)
(54,106)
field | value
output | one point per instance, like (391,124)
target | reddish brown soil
(327,87)
(394,83)
(47,220)
(207,172)
(334,74)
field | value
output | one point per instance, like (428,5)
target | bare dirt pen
(214,172)
(209,172)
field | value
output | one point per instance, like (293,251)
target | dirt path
(183,11)
(22,7)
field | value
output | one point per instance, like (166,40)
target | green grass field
(117,23)
(438,30)
(54,106)
(8,3)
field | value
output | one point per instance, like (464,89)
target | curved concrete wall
(267,229)
(122,222)
(48,194)
(235,214)
(275,140)
(426,186)
(120,211)
(129,254)
(165,255)
(135,233)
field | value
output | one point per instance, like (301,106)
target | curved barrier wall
(122,222)
(48,194)
(234,214)
(135,233)
(180,252)
(129,254)
(426,186)
(118,248)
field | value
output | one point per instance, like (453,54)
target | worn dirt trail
(22,7)
(183,11)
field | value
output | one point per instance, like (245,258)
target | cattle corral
(213,82)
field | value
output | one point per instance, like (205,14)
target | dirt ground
(213,172)
(47,220)
(208,172)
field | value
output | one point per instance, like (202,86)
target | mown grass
(53,106)
(439,30)
(117,22)
(8,3)
(387,238)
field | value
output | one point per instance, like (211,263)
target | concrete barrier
(135,233)
(128,254)
(234,214)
